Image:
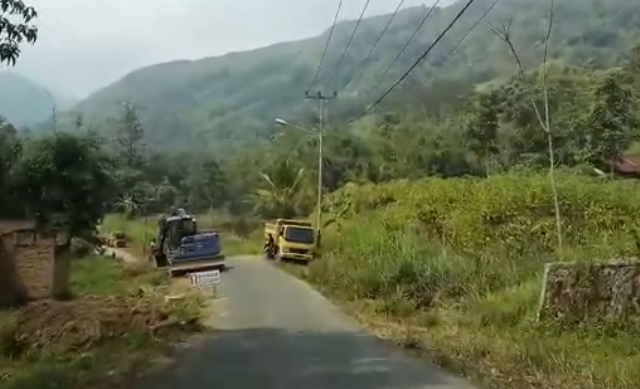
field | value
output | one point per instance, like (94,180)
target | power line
(417,62)
(326,46)
(445,57)
(377,41)
(406,45)
(346,49)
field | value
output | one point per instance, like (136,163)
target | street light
(282,122)
(285,123)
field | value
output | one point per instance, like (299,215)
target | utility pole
(54,112)
(322,101)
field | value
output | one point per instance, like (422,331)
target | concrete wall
(590,292)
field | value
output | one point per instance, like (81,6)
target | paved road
(278,333)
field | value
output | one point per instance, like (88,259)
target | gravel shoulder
(123,254)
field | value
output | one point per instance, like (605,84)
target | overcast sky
(87,44)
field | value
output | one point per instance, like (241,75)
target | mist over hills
(231,100)
(25,103)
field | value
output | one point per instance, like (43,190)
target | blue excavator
(180,248)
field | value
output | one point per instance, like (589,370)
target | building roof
(9,226)
(627,165)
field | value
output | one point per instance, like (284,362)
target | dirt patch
(125,255)
(79,325)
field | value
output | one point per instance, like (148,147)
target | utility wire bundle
(380,36)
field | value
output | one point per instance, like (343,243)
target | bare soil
(81,324)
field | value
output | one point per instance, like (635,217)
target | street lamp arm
(285,123)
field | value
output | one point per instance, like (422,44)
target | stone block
(590,292)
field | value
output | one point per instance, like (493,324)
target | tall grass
(453,267)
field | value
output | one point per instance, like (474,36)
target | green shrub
(512,212)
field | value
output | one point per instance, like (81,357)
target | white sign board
(205,279)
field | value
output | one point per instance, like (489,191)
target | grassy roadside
(492,338)
(247,241)
(116,325)
(451,269)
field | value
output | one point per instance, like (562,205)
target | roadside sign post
(206,279)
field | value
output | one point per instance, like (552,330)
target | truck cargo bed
(193,264)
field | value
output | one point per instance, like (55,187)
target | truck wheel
(266,251)
(270,252)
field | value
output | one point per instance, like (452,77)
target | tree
(10,148)
(15,29)
(634,63)
(78,122)
(613,117)
(65,182)
(207,186)
(130,136)
(543,116)
(282,186)
(127,205)
(482,129)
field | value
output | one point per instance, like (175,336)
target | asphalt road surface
(276,332)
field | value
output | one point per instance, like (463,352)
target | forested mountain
(232,99)
(23,102)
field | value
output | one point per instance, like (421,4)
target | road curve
(276,332)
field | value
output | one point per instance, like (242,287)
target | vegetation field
(117,323)
(452,268)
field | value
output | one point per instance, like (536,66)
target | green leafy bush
(512,212)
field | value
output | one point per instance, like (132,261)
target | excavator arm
(158,249)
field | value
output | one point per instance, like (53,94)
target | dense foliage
(215,103)
(594,121)
(25,103)
(15,28)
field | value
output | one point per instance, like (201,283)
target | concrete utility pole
(322,101)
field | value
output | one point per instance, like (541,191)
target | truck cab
(290,239)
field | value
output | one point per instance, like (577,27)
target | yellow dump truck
(290,239)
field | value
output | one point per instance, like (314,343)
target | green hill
(232,99)
(23,102)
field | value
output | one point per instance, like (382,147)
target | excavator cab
(171,230)
(177,228)
(180,247)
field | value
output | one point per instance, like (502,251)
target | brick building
(28,266)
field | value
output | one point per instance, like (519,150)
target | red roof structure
(627,167)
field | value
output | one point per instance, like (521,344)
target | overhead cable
(406,44)
(326,46)
(375,43)
(346,49)
(420,59)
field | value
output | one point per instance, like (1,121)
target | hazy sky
(87,44)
